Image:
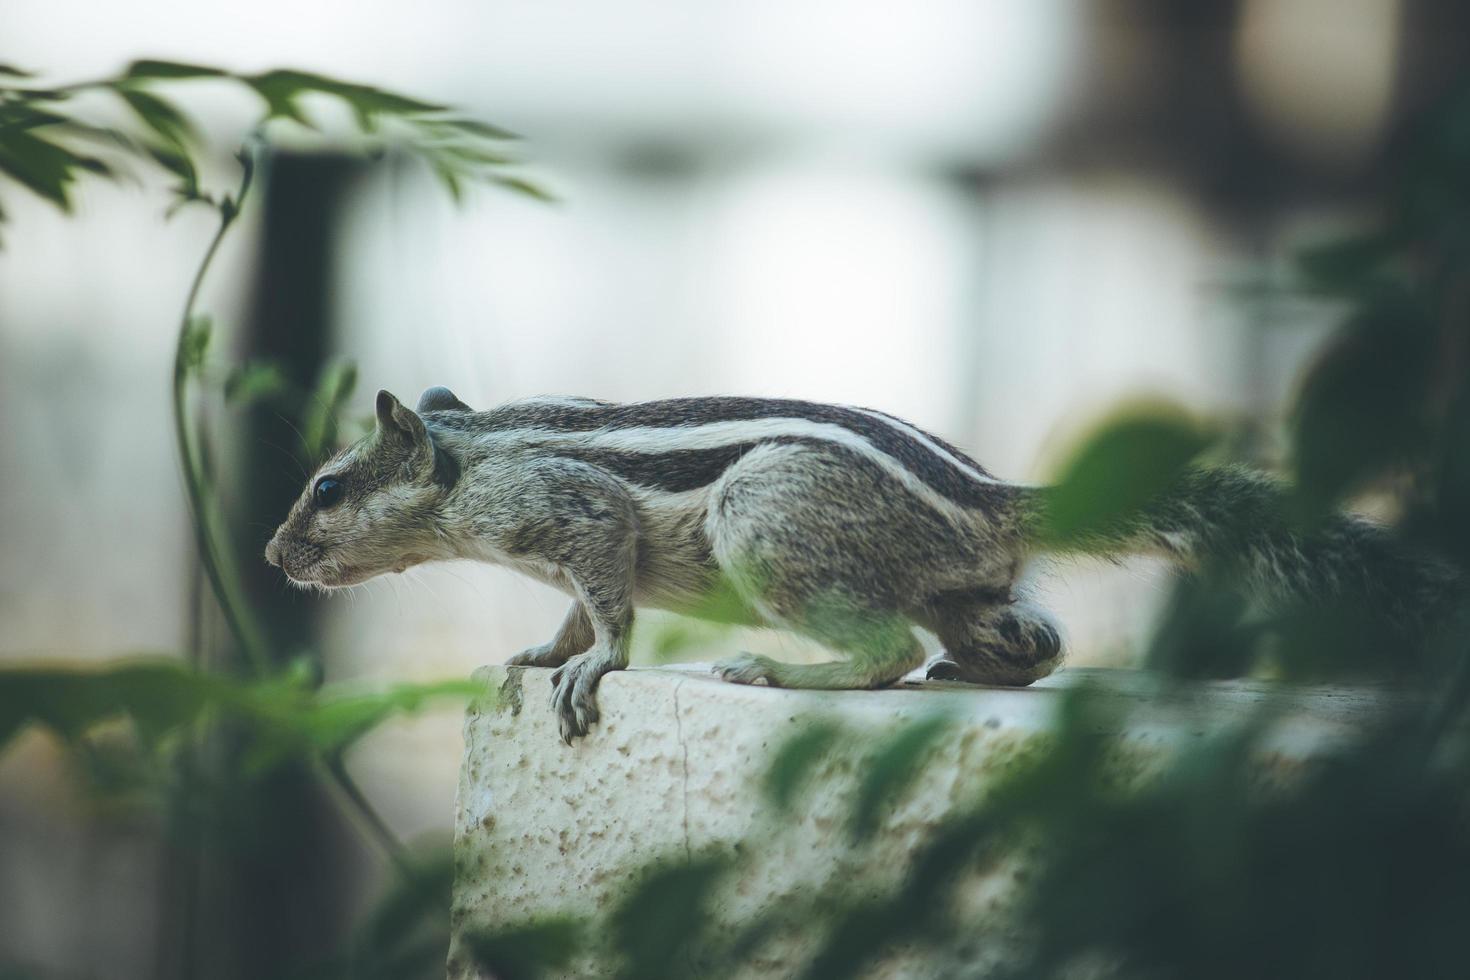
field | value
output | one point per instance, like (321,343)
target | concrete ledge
(675,768)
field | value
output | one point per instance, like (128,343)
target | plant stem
(369,820)
(208,533)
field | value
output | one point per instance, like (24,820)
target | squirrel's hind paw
(748,668)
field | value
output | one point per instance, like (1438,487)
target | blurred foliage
(405,935)
(46,146)
(1217,862)
(196,742)
(133,722)
(160,697)
(1131,457)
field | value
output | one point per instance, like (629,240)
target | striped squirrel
(843,524)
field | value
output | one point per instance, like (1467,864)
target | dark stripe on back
(676,470)
(943,476)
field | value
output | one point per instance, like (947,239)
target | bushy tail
(1234,520)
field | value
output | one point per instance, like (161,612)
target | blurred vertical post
(287,889)
(289,327)
(270,883)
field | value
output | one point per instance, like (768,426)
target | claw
(748,668)
(574,693)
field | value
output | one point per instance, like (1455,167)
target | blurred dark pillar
(289,326)
(1157,91)
(1435,55)
(278,885)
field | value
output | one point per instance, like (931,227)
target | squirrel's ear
(441,399)
(397,422)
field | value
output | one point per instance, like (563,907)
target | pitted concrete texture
(676,769)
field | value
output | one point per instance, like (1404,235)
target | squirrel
(843,524)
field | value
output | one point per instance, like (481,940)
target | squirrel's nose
(273,552)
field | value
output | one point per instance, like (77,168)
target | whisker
(476,588)
(397,594)
(292,425)
(289,455)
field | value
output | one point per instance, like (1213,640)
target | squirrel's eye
(327,492)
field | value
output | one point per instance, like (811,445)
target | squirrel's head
(372,508)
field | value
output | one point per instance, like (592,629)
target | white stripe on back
(928,444)
(713,435)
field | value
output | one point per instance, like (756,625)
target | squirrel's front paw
(574,692)
(545,655)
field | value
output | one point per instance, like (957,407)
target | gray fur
(843,524)
(1235,520)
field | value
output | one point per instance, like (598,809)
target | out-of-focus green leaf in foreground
(40,137)
(282,714)
(1128,459)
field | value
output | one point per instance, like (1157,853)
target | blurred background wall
(993,218)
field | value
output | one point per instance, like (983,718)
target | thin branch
(369,821)
(207,530)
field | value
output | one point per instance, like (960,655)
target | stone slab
(676,769)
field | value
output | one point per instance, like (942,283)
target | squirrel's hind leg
(1010,643)
(828,546)
(880,649)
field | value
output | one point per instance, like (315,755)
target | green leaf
(179,164)
(324,408)
(256,381)
(1130,459)
(162,697)
(283,87)
(280,92)
(473,127)
(891,770)
(15,72)
(21,116)
(526,952)
(677,636)
(526,187)
(195,342)
(423,892)
(335,722)
(365,100)
(793,763)
(45,168)
(450,178)
(1202,632)
(158,696)
(369,103)
(470,154)
(661,917)
(405,935)
(282,718)
(149,69)
(291,721)
(94,166)
(1361,410)
(171,125)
